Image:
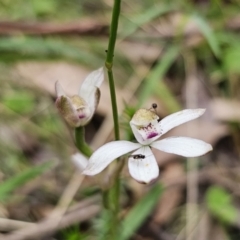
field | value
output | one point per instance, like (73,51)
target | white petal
(79,160)
(143,170)
(183,146)
(59,90)
(101,158)
(140,138)
(179,118)
(93,102)
(91,83)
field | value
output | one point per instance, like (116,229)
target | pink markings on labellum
(81,116)
(152,134)
(149,130)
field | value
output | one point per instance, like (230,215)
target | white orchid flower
(78,110)
(147,128)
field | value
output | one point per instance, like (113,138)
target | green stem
(114,104)
(113,34)
(109,63)
(112,195)
(80,142)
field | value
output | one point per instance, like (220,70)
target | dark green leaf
(140,212)
(208,34)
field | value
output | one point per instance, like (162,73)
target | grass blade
(140,19)
(154,84)
(140,212)
(208,34)
(25,48)
(11,184)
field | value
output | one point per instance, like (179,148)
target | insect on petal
(145,169)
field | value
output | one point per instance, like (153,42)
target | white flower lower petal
(146,169)
(183,146)
(179,118)
(79,160)
(91,83)
(101,158)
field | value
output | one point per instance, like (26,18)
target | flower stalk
(113,34)
(80,142)
(109,63)
(114,191)
(114,104)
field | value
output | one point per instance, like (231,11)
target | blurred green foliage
(220,204)
(7,187)
(20,102)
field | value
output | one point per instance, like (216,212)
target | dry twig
(85,27)
(49,226)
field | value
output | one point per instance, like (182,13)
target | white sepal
(59,90)
(79,160)
(90,83)
(183,146)
(179,118)
(143,170)
(101,158)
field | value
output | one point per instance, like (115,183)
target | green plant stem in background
(80,142)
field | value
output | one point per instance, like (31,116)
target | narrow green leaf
(140,212)
(21,48)
(140,19)
(208,33)
(11,184)
(219,203)
(154,84)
